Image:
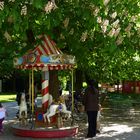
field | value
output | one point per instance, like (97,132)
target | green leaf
(6,10)
(16,26)
(2,15)
(0,24)
(38,4)
(48,23)
(15,14)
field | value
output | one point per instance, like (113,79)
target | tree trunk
(54,84)
(79,81)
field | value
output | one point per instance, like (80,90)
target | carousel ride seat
(39,120)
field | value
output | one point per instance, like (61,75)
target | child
(98,119)
(2,116)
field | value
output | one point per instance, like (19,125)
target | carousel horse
(23,110)
(56,108)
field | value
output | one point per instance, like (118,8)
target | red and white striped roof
(47,48)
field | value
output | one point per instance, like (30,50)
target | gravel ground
(113,127)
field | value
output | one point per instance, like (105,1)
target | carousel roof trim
(45,56)
(45,67)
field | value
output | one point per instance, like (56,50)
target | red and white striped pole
(45,89)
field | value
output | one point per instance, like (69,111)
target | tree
(96,32)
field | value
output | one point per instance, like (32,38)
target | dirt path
(114,126)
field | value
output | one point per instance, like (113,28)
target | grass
(7,97)
(129,100)
(10,97)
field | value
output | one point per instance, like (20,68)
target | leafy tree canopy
(102,34)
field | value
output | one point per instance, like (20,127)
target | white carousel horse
(56,108)
(55,59)
(23,109)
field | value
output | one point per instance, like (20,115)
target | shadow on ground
(116,124)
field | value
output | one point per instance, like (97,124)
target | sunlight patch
(116,129)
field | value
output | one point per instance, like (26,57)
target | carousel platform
(49,132)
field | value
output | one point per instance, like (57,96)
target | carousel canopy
(45,56)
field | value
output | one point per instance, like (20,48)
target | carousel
(48,120)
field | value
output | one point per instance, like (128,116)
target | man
(91,103)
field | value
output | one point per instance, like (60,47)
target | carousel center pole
(45,90)
(30,90)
